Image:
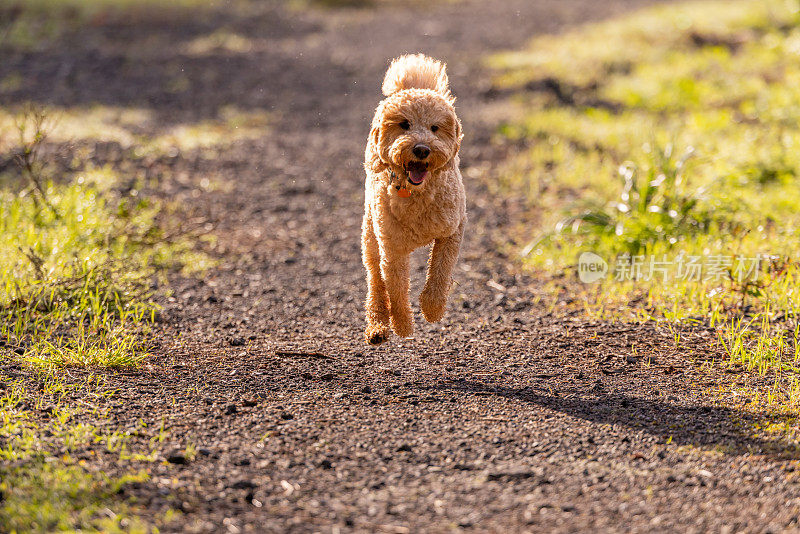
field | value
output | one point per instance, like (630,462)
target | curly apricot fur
(417,98)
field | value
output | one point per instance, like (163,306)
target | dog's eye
(434,128)
(404,125)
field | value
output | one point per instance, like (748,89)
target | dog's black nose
(421,151)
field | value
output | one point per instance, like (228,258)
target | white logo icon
(591,267)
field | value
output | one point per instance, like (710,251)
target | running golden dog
(414,195)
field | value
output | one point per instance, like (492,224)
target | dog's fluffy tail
(416,72)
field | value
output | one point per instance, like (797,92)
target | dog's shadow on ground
(722,429)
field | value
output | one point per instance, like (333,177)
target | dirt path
(501,418)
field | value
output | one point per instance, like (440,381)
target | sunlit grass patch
(359,4)
(115,348)
(669,137)
(50,494)
(220,40)
(46,486)
(757,344)
(78,261)
(655,201)
(101,123)
(75,284)
(232,124)
(138,129)
(92,6)
(36,24)
(588,55)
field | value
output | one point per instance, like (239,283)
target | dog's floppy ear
(375,134)
(459,137)
(373,160)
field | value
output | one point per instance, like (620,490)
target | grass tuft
(654,205)
(76,266)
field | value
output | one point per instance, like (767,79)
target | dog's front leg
(395,270)
(377,305)
(444,254)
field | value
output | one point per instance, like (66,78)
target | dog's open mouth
(417,171)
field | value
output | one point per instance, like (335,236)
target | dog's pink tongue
(417,175)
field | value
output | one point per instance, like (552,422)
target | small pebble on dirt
(244,484)
(177,458)
(230,409)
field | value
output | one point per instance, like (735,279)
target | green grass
(669,137)
(78,260)
(48,496)
(46,485)
(76,264)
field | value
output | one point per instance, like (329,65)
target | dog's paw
(433,306)
(403,328)
(376,334)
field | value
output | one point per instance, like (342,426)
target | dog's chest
(424,219)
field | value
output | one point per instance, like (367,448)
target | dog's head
(415,130)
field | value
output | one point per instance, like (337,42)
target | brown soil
(503,417)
